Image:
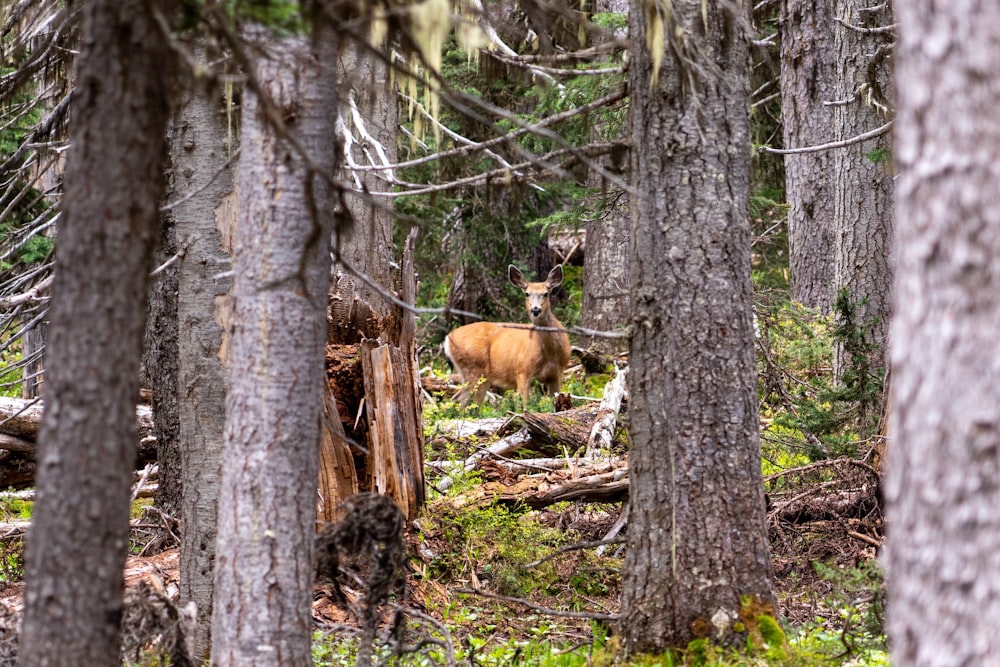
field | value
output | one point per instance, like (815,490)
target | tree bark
(942,468)
(605,302)
(862,193)
(372,122)
(113,185)
(203,219)
(264,554)
(697,536)
(808,73)
(159,368)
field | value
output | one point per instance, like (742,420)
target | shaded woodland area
(769,233)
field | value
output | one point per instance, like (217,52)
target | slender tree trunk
(698,550)
(863,206)
(807,87)
(605,303)
(203,218)
(942,475)
(159,369)
(267,499)
(76,551)
(368,245)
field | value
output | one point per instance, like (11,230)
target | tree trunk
(941,483)
(264,553)
(606,275)
(159,369)
(698,551)
(862,207)
(113,185)
(605,303)
(203,220)
(807,86)
(368,245)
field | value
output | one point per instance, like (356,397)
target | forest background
(664,154)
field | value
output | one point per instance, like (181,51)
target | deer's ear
(555,277)
(515,276)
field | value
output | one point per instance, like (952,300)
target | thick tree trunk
(807,87)
(264,553)
(698,545)
(941,482)
(76,550)
(203,184)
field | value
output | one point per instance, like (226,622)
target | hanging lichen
(657,12)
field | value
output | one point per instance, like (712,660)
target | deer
(507,355)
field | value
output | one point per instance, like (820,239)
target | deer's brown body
(509,356)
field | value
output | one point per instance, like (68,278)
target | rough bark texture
(941,485)
(113,184)
(863,195)
(605,300)
(606,275)
(267,500)
(368,245)
(159,369)
(697,536)
(204,184)
(807,86)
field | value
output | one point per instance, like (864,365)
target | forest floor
(489,572)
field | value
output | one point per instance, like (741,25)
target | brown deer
(508,356)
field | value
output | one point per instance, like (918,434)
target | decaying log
(603,431)
(338,478)
(20,420)
(537,492)
(568,430)
(573,465)
(457,429)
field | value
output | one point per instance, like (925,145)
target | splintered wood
(563,475)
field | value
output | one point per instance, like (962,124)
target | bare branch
(877,132)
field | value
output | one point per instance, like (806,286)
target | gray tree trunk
(266,526)
(113,185)
(605,303)
(942,489)
(368,245)
(697,536)
(863,204)
(808,73)
(203,186)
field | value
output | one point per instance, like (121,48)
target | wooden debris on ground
(561,473)
(20,420)
(603,431)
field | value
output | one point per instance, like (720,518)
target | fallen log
(501,447)
(20,420)
(568,430)
(538,492)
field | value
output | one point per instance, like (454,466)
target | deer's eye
(527,294)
